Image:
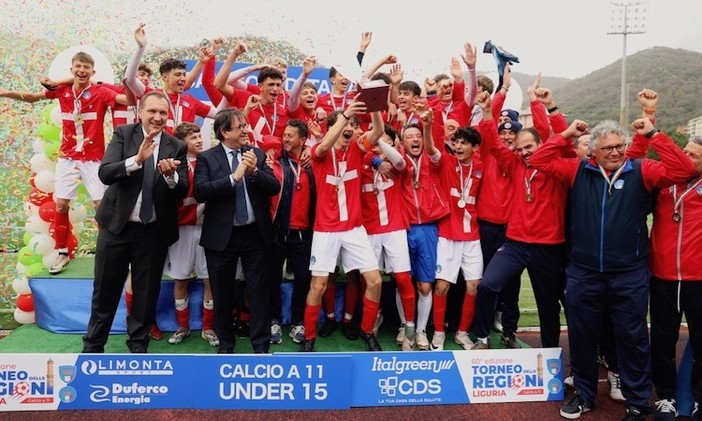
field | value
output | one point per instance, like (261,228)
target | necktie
(147,195)
(240,213)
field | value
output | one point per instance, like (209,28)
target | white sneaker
(61,261)
(409,337)
(497,325)
(179,335)
(297,334)
(666,409)
(463,340)
(615,387)
(276,334)
(421,341)
(400,338)
(210,336)
(437,341)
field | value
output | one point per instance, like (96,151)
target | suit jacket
(213,187)
(123,189)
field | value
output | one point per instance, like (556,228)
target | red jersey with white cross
(267,120)
(183,108)
(189,211)
(121,114)
(83,115)
(383,207)
(462,183)
(338,180)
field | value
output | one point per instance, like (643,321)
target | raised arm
(548,158)
(388,59)
(470,58)
(222,76)
(501,94)
(674,166)
(639,145)
(393,155)
(366,38)
(135,85)
(335,131)
(308,65)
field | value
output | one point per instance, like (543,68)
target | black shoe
(350,330)
(510,341)
(574,408)
(307,345)
(327,328)
(242,329)
(371,341)
(225,350)
(633,414)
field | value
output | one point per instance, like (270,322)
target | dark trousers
(141,246)
(544,264)
(492,236)
(625,295)
(245,243)
(296,246)
(669,299)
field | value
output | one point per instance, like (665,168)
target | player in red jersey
(186,256)
(534,235)
(183,107)
(458,249)
(83,108)
(452,97)
(386,221)
(338,228)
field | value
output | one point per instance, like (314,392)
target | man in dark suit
(146,174)
(234,182)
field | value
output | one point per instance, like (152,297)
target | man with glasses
(234,182)
(610,200)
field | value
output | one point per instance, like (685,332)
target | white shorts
(69,174)
(391,251)
(186,256)
(452,256)
(352,246)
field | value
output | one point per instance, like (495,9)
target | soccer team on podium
(444,183)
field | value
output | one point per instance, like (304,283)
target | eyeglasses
(608,149)
(242,126)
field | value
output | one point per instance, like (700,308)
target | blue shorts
(422,240)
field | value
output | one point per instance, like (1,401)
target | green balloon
(34,269)
(26,237)
(27,257)
(51,150)
(48,132)
(46,112)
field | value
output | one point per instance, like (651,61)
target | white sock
(424,310)
(398,303)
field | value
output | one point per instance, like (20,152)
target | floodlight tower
(628,18)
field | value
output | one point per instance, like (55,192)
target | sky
(566,38)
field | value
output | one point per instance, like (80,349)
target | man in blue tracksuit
(610,200)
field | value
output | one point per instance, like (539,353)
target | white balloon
(78,227)
(21,269)
(36,225)
(61,65)
(49,258)
(25,317)
(41,244)
(45,181)
(56,117)
(77,212)
(38,146)
(40,162)
(30,209)
(21,284)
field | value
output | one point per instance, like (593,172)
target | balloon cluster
(38,252)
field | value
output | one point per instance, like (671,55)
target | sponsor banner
(127,381)
(436,378)
(280,381)
(406,378)
(512,375)
(30,382)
